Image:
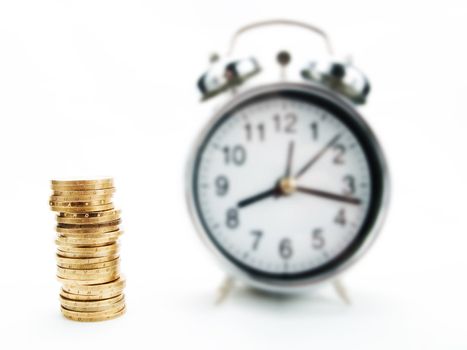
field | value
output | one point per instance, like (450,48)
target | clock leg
(224,289)
(341,291)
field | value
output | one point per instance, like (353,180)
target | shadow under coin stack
(87,256)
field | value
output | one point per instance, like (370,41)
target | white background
(93,87)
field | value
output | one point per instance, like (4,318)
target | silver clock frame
(277,285)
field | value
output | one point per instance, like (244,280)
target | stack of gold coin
(87,256)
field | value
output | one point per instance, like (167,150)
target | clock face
(285,185)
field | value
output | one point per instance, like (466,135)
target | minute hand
(329,195)
(317,156)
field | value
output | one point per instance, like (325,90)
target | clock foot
(224,289)
(341,291)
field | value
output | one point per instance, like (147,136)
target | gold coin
(75,249)
(84,204)
(83,255)
(92,309)
(82,185)
(81,182)
(89,279)
(90,242)
(105,192)
(89,266)
(93,238)
(78,199)
(79,287)
(86,305)
(97,289)
(97,297)
(81,210)
(108,310)
(86,250)
(89,220)
(86,255)
(91,282)
(95,318)
(91,251)
(75,236)
(86,215)
(77,292)
(79,231)
(107,220)
(83,272)
(90,225)
(88,235)
(87,275)
(85,261)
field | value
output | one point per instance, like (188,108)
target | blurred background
(90,88)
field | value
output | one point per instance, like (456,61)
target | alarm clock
(287,184)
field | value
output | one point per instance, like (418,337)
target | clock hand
(287,181)
(276,190)
(288,169)
(317,156)
(329,195)
(258,197)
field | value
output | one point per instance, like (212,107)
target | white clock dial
(282,185)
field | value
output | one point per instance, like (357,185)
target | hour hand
(257,197)
(329,195)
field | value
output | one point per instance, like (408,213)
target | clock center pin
(287,185)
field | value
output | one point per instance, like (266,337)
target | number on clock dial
(246,157)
